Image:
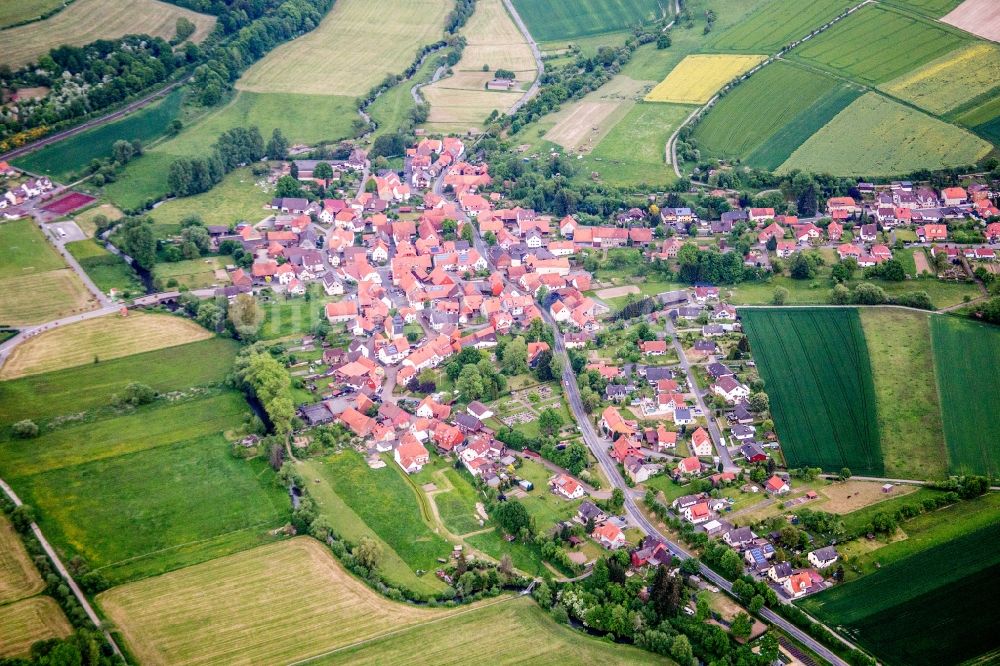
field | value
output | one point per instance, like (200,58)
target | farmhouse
(823,557)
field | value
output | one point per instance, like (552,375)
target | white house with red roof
(567,487)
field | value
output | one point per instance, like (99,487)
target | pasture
(302,118)
(194,273)
(980,17)
(35,284)
(87,220)
(878,137)
(698,77)
(461,101)
(18,576)
(952,80)
(143,513)
(816,370)
(42,297)
(25,622)
(107,270)
(387,502)
(351,527)
(967,359)
(925,609)
(160,424)
(26,10)
(776,24)
(26,250)
(515,631)
(754,122)
(44,396)
(632,153)
(877,44)
(70,156)
(457,502)
(582,125)
(230,609)
(102,338)
(326,61)
(86,21)
(550,20)
(909,414)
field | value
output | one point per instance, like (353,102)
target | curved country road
(533,90)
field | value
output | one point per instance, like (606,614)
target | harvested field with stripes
(25,622)
(86,21)
(275,604)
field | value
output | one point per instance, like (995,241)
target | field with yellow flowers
(698,77)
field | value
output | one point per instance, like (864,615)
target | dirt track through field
(980,17)
(615,292)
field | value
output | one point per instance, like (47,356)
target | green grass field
(458,506)
(816,370)
(932,8)
(68,157)
(925,609)
(776,24)
(515,631)
(878,137)
(302,118)
(632,153)
(876,44)
(815,292)
(108,271)
(42,397)
(193,273)
(909,414)
(755,123)
(967,359)
(147,512)
(26,251)
(351,527)
(387,502)
(35,285)
(549,20)
(161,424)
(238,198)
(25,10)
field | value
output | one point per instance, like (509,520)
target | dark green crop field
(875,45)
(778,23)
(816,370)
(967,363)
(72,155)
(930,608)
(756,123)
(549,20)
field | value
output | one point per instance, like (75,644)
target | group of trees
(85,80)
(867,293)
(610,603)
(234,148)
(261,376)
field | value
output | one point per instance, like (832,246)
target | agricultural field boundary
(54,557)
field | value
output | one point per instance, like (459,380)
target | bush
(26,429)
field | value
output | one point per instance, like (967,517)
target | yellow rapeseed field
(698,77)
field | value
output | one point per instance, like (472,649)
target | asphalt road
(713,429)
(539,64)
